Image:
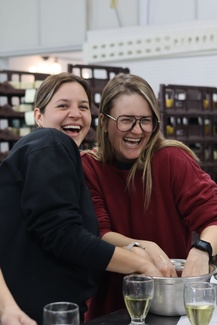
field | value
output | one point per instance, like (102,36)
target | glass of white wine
(199,301)
(138,291)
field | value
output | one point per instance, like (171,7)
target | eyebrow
(62,99)
(68,100)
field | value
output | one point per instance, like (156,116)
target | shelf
(189,115)
(13,85)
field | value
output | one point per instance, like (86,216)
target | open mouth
(71,129)
(132,142)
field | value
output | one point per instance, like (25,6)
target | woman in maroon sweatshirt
(146,188)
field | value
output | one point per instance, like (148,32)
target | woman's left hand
(13,315)
(159,258)
(197,263)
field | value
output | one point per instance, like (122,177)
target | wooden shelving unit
(13,85)
(189,114)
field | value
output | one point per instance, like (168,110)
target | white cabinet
(37,26)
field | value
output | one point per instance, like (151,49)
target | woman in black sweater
(50,248)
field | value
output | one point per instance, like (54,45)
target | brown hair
(52,83)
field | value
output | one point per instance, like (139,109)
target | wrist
(203,246)
(134,244)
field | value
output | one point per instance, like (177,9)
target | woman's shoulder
(173,157)
(49,135)
(89,154)
(90,160)
(173,152)
(43,138)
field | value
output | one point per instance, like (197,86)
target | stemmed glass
(138,291)
(199,302)
(61,313)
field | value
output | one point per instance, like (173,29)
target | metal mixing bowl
(168,292)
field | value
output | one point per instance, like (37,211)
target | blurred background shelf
(189,114)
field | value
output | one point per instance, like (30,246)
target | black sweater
(49,245)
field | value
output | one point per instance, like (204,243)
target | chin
(77,142)
(132,156)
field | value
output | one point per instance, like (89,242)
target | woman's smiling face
(128,145)
(68,111)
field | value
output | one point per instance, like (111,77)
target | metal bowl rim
(180,279)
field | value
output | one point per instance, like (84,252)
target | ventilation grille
(138,43)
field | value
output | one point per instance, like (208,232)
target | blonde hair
(120,85)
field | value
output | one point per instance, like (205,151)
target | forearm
(153,256)
(120,240)
(198,260)
(117,239)
(6,297)
(209,234)
(126,262)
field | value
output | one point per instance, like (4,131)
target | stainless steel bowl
(168,292)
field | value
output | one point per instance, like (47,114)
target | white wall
(37,26)
(185,69)
(196,71)
(188,70)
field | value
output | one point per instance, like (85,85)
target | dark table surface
(121,317)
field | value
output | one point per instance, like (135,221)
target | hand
(197,263)
(158,258)
(13,315)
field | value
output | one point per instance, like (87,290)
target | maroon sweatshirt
(184,199)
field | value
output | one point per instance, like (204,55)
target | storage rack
(97,77)
(189,114)
(13,85)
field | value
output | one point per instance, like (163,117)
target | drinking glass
(61,313)
(138,291)
(199,302)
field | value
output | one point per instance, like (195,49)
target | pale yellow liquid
(199,314)
(137,307)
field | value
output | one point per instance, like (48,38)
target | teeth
(77,127)
(131,140)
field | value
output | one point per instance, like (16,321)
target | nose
(136,128)
(74,112)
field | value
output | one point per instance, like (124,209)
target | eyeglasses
(126,123)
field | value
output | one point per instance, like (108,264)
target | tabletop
(121,317)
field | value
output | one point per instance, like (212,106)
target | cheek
(51,118)
(112,129)
(88,120)
(114,134)
(52,121)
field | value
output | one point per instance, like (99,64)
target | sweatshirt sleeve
(52,197)
(194,192)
